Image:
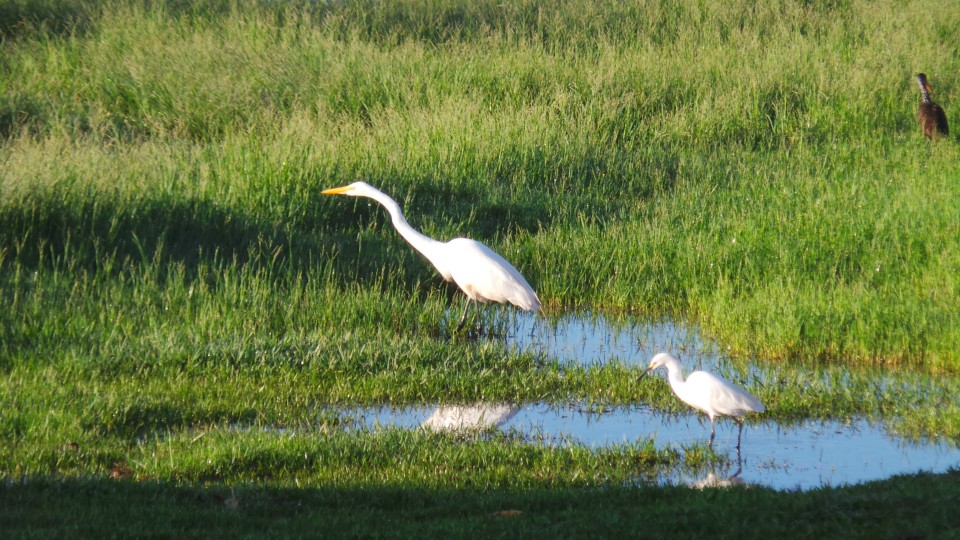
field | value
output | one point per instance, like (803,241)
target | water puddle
(585,340)
(803,456)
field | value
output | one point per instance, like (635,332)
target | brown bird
(933,121)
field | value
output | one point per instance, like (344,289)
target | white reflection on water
(472,417)
(807,455)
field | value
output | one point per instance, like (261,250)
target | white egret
(482,274)
(707,392)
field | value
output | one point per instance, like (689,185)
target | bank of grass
(903,507)
(899,508)
(168,269)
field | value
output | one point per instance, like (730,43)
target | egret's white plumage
(707,392)
(481,273)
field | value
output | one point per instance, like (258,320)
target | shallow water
(804,456)
(586,340)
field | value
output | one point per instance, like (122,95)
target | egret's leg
(478,312)
(739,464)
(713,433)
(739,434)
(463,318)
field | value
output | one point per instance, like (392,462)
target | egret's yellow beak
(335,191)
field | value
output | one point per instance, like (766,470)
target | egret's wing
(485,275)
(722,396)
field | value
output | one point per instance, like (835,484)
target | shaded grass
(904,507)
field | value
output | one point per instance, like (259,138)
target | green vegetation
(170,275)
(906,507)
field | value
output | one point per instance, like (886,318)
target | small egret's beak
(644,374)
(335,191)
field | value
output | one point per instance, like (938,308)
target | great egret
(931,117)
(480,272)
(707,392)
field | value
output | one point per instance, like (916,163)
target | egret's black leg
(463,318)
(713,433)
(739,465)
(478,311)
(739,434)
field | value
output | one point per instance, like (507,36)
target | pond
(802,455)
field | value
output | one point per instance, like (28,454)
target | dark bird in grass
(933,121)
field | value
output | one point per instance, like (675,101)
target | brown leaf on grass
(508,513)
(74,445)
(120,470)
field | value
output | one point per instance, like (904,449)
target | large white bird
(480,272)
(707,392)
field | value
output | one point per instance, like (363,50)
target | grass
(898,508)
(169,271)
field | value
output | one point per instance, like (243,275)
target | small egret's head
(356,189)
(657,361)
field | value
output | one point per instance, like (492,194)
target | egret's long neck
(424,244)
(674,374)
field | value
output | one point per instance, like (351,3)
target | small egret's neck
(674,371)
(421,242)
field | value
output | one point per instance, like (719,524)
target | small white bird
(480,272)
(707,392)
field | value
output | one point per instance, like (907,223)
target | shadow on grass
(26,18)
(90,231)
(904,507)
(18,19)
(96,232)
(136,419)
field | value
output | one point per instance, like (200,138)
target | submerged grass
(168,270)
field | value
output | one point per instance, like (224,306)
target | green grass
(168,269)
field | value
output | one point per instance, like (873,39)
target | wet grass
(168,270)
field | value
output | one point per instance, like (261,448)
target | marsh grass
(167,265)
